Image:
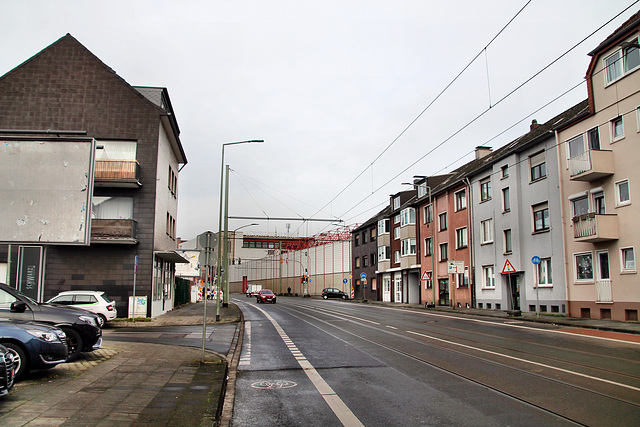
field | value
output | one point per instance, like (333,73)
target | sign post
(536,260)
(454,267)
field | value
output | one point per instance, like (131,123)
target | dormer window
(623,61)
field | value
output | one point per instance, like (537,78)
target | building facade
(138,158)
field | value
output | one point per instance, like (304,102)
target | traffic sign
(508,267)
(363,275)
(454,267)
(425,276)
(535,260)
(345,281)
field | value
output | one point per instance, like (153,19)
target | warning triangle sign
(508,267)
(426,276)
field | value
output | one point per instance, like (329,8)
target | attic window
(623,61)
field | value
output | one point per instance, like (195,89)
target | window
(461,200)
(372,232)
(396,233)
(486,228)
(506,200)
(623,196)
(172,181)
(485,189)
(396,256)
(462,279)
(356,242)
(508,248)
(427,246)
(544,272)
(442,221)
(580,206)
(444,251)
(422,190)
(365,236)
(617,129)
(384,253)
(461,238)
(396,219)
(538,166)
(622,61)
(598,203)
(116,150)
(541,217)
(357,263)
(488,280)
(408,247)
(396,203)
(408,216)
(383,226)
(372,257)
(628,259)
(577,146)
(112,208)
(171,226)
(504,171)
(428,284)
(583,267)
(428,214)
(365,261)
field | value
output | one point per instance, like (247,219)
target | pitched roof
(622,31)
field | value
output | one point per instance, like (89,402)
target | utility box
(137,307)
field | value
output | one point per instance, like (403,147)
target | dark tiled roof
(625,28)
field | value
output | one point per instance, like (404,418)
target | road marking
(527,361)
(245,359)
(342,411)
(391,327)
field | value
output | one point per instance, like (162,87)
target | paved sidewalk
(130,383)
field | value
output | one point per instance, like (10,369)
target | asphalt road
(314,362)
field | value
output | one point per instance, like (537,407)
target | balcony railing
(591,165)
(595,228)
(113,230)
(117,173)
(603,291)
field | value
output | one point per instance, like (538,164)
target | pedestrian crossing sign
(426,276)
(508,267)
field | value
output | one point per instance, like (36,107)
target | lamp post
(224,245)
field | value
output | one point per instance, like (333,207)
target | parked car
(97,302)
(265,295)
(7,371)
(333,293)
(80,326)
(32,345)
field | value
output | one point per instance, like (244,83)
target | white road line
(391,327)
(527,361)
(342,411)
(245,359)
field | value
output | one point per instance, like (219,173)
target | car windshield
(107,298)
(31,300)
(267,293)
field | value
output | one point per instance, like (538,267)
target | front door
(443,291)
(514,291)
(386,288)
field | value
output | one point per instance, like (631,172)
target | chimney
(483,151)
(534,124)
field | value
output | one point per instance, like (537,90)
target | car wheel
(20,361)
(74,342)
(324,296)
(344,297)
(101,320)
(273,301)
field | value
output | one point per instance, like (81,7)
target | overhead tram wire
(426,108)
(491,107)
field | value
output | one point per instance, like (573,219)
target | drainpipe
(472,267)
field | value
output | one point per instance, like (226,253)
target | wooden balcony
(118,231)
(117,173)
(593,228)
(591,165)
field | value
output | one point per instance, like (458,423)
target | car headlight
(88,319)
(45,336)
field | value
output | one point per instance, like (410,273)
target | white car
(97,302)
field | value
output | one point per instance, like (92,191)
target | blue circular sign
(363,275)
(344,281)
(535,260)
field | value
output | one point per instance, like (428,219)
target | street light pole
(222,245)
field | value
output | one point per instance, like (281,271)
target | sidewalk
(131,383)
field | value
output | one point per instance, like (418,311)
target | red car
(265,295)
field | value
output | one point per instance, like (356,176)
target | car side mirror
(18,307)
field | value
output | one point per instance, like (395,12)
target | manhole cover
(272,385)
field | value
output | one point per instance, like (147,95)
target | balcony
(603,291)
(117,173)
(591,165)
(593,228)
(119,231)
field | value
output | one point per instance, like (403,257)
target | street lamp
(220,255)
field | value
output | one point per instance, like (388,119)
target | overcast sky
(329,85)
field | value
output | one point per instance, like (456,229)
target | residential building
(597,158)
(365,259)
(137,162)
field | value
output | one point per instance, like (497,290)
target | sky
(351,97)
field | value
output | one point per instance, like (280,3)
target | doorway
(443,291)
(514,291)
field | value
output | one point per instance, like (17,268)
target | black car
(33,346)
(333,293)
(6,371)
(80,326)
